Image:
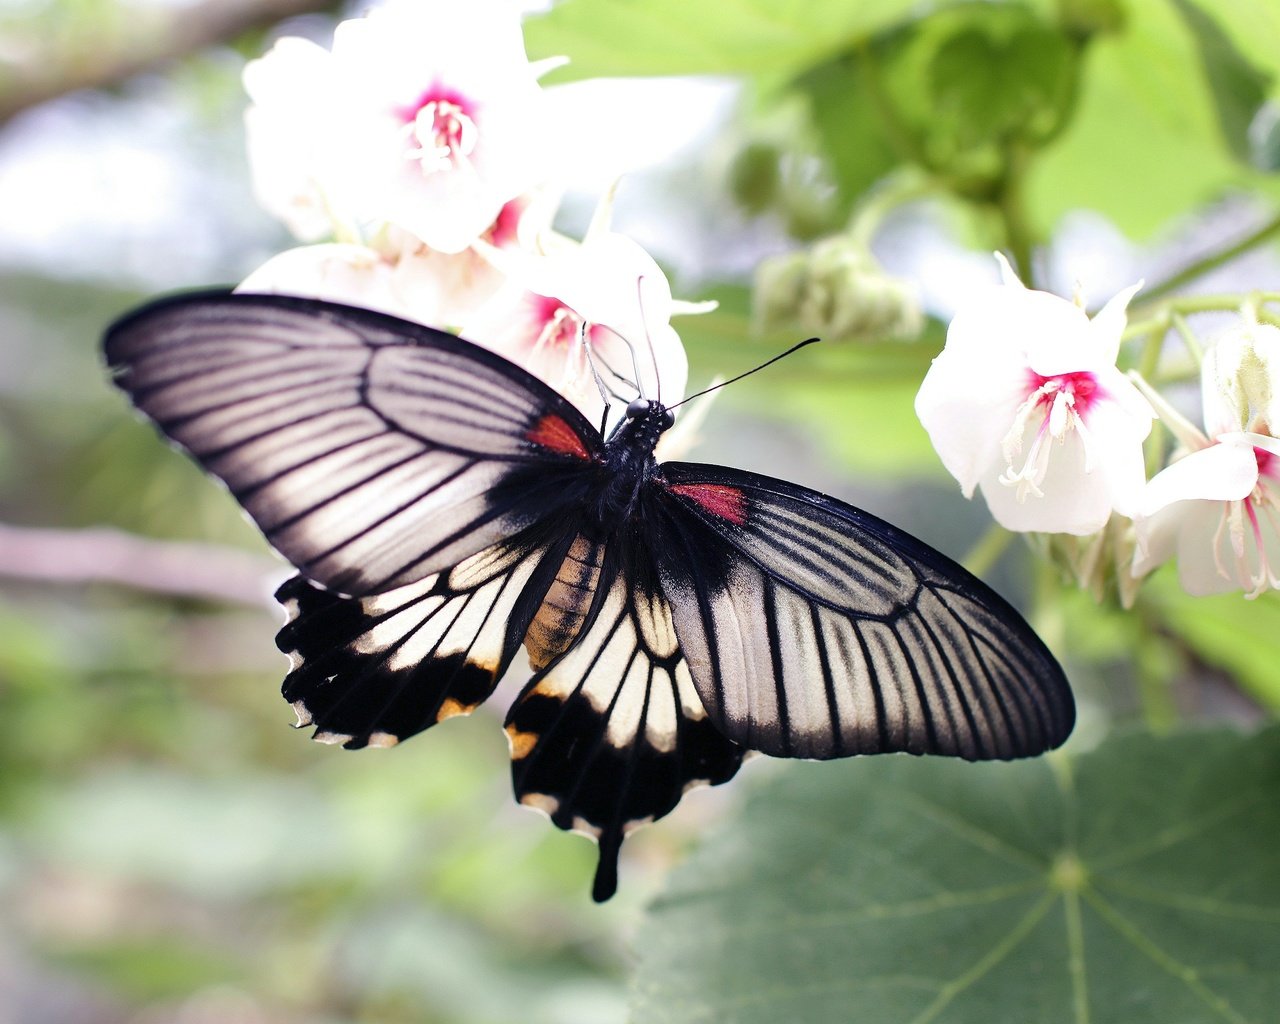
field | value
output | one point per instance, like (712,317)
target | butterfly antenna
(623,378)
(605,391)
(648,340)
(781,355)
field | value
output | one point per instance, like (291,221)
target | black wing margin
(372,452)
(813,629)
(612,734)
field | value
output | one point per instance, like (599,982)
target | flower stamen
(1062,402)
(441,136)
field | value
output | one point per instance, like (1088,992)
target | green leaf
(1145,142)
(1238,88)
(1251,29)
(857,142)
(951,91)
(674,37)
(1136,883)
(997,78)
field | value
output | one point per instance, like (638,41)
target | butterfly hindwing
(371,452)
(375,670)
(611,734)
(813,629)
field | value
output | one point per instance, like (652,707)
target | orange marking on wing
(719,499)
(554,433)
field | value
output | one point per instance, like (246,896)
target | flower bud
(1242,367)
(837,290)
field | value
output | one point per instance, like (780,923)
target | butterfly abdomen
(563,611)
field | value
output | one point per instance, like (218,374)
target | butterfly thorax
(627,462)
(624,465)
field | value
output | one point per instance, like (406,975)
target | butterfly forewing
(815,630)
(371,452)
(612,734)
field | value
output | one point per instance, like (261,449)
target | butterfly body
(444,508)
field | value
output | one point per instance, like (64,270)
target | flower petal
(1008,276)
(1156,538)
(1116,432)
(1108,324)
(1206,563)
(967,406)
(1221,472)
(1072,500)
(336,271)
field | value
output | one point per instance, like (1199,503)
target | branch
(1212,261)
(209,572)
(147,41)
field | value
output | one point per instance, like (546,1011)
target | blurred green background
(171,851)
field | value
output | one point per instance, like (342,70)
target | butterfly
(443,507)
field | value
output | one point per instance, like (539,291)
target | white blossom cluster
(1026,403)
(414,158)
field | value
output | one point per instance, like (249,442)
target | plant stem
(988,549)
(1215,260)
(1154,666)
(1012,213)
(1188,338)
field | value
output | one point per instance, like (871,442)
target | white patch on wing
(629,708)
(654,619)
(548,805)
(808,711)
(855,697)
(471,622)
(690,703)
(661,718)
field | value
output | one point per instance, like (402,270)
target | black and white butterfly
(443,507)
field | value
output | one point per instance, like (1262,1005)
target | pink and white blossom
(1217,506)
(335,271)
(1025,402)
(425,115)
(605,301)
(396,274)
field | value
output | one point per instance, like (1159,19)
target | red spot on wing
(719,499)
(554,433)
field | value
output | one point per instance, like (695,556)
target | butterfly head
(655,412)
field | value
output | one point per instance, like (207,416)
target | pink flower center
(506,225)
(558,329)
(439,128)
(1268,464)
(1053,407)
(1081,386)
(560,324)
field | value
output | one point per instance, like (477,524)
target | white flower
(426,115)
(607,296)
(337,271)
(1218,506)
(399,275)
(1025,402)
